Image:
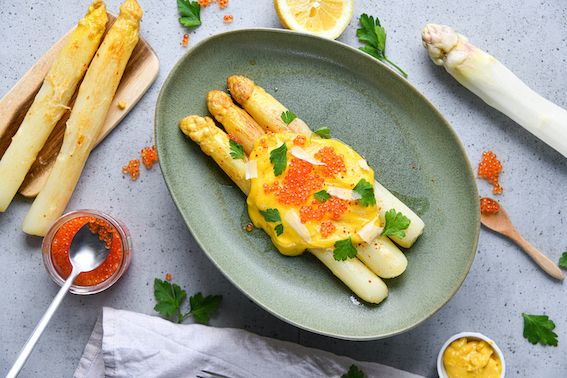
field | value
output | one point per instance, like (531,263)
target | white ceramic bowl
(469,335)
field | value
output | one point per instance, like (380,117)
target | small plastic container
(126,257)
(474,336)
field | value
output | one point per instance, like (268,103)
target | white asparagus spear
(264,109)
(355,275)
(382,257)
(52,100)
(214,142)
(88,114)
(386,201)
(496,85)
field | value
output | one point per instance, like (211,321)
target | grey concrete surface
(529,37)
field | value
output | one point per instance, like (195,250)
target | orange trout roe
(299,140)
(149,156)
(300,182)
(489,206)
(333,208)
(334,164)
(223,4)
(62,242)
(104,230)
(204,3)
(133,168)
(489,169)
(185,40)
(327,228)
(168,276)
(228,19)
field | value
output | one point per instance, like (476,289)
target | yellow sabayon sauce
(465,358)
(302,220)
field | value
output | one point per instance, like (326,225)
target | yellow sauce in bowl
(473,358)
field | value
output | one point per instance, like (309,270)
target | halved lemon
(325,18)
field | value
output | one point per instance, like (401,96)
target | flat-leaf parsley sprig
(170,298)
(563,260)
(539,329)
(373,35)
(190,12)
(396,224)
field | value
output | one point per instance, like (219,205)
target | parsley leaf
(354,372)
(169,298)
(563,261)
(203,307)
(279,229)
(365,189)
(236,150)
(396,224)
(323,132)
(322,196)
(344,250)
(278,157)
(539,329)
(271,215)
(373,35)
(288,117)
(190,12)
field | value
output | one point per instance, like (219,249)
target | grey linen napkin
(128,344)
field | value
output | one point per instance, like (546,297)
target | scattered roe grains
(133,168)
(121,105)
(489,169)
(223,4)
(299,140)
(489,206)
(204,3)
(168,276)
(327,228)
(185,40)
(149,156)
(228,19)
(249,227)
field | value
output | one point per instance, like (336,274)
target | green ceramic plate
(412,148)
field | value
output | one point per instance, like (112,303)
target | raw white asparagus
(87,117)
(52,101)
(496,85)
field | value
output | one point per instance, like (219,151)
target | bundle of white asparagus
(261,113)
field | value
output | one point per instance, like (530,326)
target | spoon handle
(30,344)
(540,259)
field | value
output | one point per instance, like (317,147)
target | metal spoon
(501,223)
(86,253)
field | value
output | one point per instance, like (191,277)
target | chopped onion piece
(343,193)
(292,218)
(370,231)
(300,153)
(364,165)
(251,169)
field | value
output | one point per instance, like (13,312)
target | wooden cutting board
(140,73)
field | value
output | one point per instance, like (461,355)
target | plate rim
(411,87)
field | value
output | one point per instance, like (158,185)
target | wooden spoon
(501,223)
